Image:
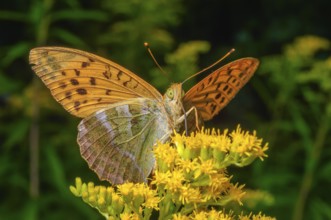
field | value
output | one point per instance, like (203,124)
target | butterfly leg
(196,118)
(187,114)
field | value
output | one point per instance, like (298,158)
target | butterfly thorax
(172,100)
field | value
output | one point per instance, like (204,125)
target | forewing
(215,91)
(117,142)
(83,82)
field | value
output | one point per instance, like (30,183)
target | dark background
(287,101)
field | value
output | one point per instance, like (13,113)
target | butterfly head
(173,100)
(174,93)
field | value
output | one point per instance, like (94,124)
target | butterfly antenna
(155,61)
(211,66)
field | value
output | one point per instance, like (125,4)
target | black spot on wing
(92,81)
(68,95)
(81,91)
(74,82)
(85,64)
(76,105)
(119,74)
(77,72)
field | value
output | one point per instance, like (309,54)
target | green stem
(174,211)
(34,144)
(166,206)
(161,193)
(309,172)
(41,36)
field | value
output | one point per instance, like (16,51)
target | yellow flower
(174,183)
(90,188)
(165,156)
(161,178)
(245,143)
(129,216)
(190,177)
(219,185)
(150,198)
(238,147)
(205,167)
(187,195)
(139,194)
(117,203)
(187,165)
(170,180)
(211,215)
(108,194)
(125,188)
(179,216)
(187,147)
(260,152)
(259,216)
(236,193)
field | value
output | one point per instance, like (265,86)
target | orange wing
(83,82)
(215,91)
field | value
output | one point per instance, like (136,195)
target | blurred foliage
(297,101)
(288,101)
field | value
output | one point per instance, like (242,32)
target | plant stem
(41,38)
(309,172)
(34,143)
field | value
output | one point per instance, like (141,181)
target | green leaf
(56,169)
(16,51)
(324,172)
(18,132)
(7,85)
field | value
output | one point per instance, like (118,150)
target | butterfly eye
(170,93)
(183,93)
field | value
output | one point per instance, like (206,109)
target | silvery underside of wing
(117,142)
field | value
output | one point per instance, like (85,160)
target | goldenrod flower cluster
(190,180)
(126,201)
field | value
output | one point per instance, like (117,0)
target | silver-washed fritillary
(123,115)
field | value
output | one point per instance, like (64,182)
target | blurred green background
(287,101)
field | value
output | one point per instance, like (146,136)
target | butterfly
(123,116)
